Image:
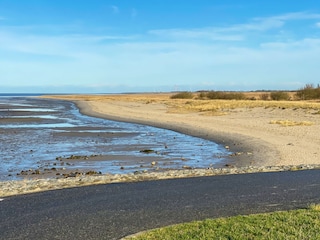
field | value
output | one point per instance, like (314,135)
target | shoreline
(248,152)
(259,146)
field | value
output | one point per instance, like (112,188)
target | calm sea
(20,94)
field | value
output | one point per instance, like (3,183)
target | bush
(182,95)
(202,95)
(225,95)
(308,92)
(279,95)
(264,96)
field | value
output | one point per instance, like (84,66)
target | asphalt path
(113,211)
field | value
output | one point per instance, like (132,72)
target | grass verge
(295,224)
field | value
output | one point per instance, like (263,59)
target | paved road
(115,210)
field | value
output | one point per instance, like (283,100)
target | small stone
(187,167)
(93,173)
(229,165)
(147,151)
(73,174)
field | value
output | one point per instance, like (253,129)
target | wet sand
(247,152)
(36,145)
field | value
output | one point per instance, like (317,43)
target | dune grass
(186,105)
(194,105)
(289,123)
(295,224)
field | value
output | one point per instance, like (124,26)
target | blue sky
(94,46)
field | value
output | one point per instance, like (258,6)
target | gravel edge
(26,186)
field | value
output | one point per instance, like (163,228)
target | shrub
(182,95)
(279,95)
(225,95)
(309,92)
(214,95)
(202,95)
(264,96)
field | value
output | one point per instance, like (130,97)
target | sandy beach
(262,135)
(245,129)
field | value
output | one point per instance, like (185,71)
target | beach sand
(249,129)
(264,136)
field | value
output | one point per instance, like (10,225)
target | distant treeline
(308,92)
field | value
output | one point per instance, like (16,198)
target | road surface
(113,211)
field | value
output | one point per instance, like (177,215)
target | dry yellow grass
(289,123)
(208,107)
(222,105)
(314,207)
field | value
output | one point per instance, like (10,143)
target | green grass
(296,224)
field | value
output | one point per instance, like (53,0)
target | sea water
(34,132)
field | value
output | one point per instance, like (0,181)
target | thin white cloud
(228,33)
(306,43)
(115,9)
(318,24)
(257,25)
(266,23)
(281,20)
(22,40)
(295,16)
(204,33)
(236,32)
